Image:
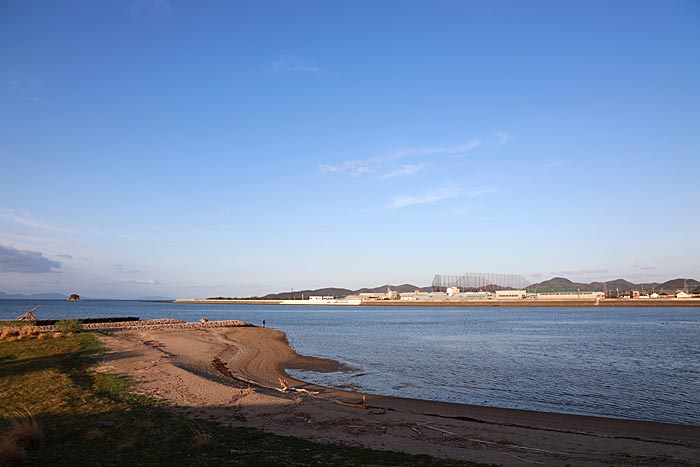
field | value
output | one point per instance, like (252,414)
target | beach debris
(29,315)
(520,458)
(203,319)
(438,429)
(497,443)
(284,387)
(360,405)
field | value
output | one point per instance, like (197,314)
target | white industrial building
(510,294)
(578,295)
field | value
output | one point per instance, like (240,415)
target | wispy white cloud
(501,138)
(362,170)
(320,226)
(331,168)
(453,150)
(643,267)
(405,170)
(25,218)
(434,196)
(403,201)
(581,272)
(353,168)
(290,64)
(42,283)
(120,269)
(23,86)
(139,281)
(387,163)
(555,163)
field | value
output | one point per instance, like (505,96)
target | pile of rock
(164,323)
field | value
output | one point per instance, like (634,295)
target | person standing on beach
(263,323)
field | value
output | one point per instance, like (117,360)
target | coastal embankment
(237,376)
(616,303)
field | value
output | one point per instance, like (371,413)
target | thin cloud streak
(455,150)
(404,201)
(405,171)
(356,168)
(25,218)
(290,64)
(139,281)
(430,197)
(502,137)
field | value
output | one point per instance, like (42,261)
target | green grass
(92,419)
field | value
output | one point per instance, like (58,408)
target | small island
(74,298)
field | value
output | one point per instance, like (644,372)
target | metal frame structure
(480,282)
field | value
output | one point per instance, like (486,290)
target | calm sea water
(629,363)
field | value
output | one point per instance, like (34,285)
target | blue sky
(191,149)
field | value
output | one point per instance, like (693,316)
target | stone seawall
(166,323)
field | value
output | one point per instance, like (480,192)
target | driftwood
(480,441)
(284,387)
(29,315)
(359,405)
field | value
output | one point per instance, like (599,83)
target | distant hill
(36,296)
(338,292)
(403,288)
(334,291)
(678,284)
(553,284)
(562,283)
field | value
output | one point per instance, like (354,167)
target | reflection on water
(630,363)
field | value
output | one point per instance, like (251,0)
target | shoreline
(232,375)
(604,303)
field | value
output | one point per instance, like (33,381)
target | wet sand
(231,375)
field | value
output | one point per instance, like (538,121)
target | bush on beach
(15,333)
(68,325)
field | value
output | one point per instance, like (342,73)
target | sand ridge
(231,375)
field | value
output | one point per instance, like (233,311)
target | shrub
(68,325)
(57,335)
(24,435)
(11,454)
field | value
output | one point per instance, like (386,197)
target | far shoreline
(605,303)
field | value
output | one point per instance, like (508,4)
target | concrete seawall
(617,303)
(166,323)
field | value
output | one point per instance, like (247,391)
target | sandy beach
(232,375)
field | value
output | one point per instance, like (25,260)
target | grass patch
(68,325)
(79,417)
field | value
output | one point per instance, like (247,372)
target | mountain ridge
(36,296)
(553,284)
(562,283)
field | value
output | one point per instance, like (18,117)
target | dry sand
(231,375)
